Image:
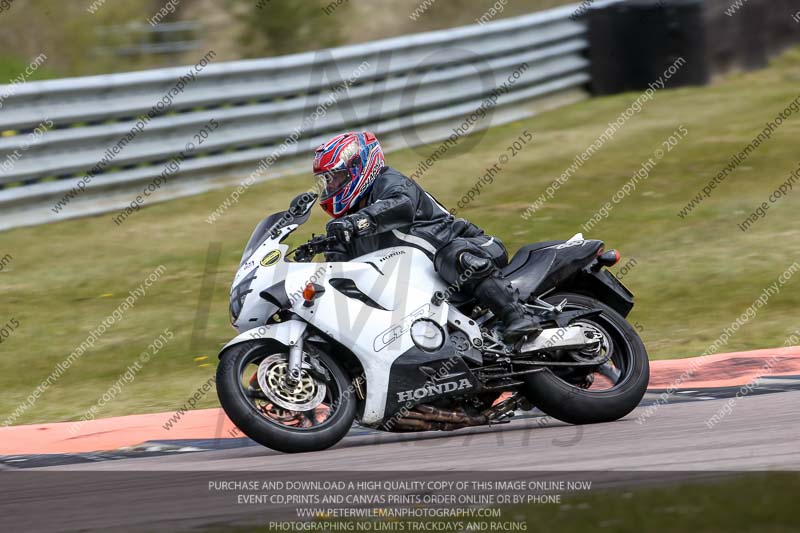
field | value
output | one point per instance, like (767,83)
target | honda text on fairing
(382,341)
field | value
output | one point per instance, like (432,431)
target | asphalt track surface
(170,492)
(762,432)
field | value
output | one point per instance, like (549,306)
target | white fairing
(287,333)
(401,280)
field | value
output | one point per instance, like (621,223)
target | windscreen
(260,234)
(298,213)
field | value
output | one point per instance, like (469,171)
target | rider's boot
(503,300)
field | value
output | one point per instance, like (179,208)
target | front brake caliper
(317,371)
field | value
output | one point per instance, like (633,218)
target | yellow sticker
(271,258)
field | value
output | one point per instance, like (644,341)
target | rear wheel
(311,415)
(601,393)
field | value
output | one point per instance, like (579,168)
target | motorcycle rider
(374,207)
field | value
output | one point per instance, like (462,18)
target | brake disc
(306,395)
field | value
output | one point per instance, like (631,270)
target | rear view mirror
(302,204)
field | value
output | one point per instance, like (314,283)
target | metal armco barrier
(409,90)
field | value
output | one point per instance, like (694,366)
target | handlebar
(317,245)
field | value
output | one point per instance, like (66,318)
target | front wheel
(311,415)
(601,393)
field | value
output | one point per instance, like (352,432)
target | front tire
(253,416)
(569,403)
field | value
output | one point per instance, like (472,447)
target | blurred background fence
(411,90)
(78,146)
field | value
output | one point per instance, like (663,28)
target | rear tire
(574,405)
(253,423)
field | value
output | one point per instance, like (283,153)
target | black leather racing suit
(403,214)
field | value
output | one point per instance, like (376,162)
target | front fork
(295,363)
(296,341)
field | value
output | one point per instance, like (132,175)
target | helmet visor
(334,181)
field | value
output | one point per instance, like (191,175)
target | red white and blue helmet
(348,165)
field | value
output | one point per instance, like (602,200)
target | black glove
(347,227)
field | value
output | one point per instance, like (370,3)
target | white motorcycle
(383,341)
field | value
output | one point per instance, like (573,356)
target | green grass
(11,67)
(693,276)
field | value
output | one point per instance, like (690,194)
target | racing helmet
(347,166)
